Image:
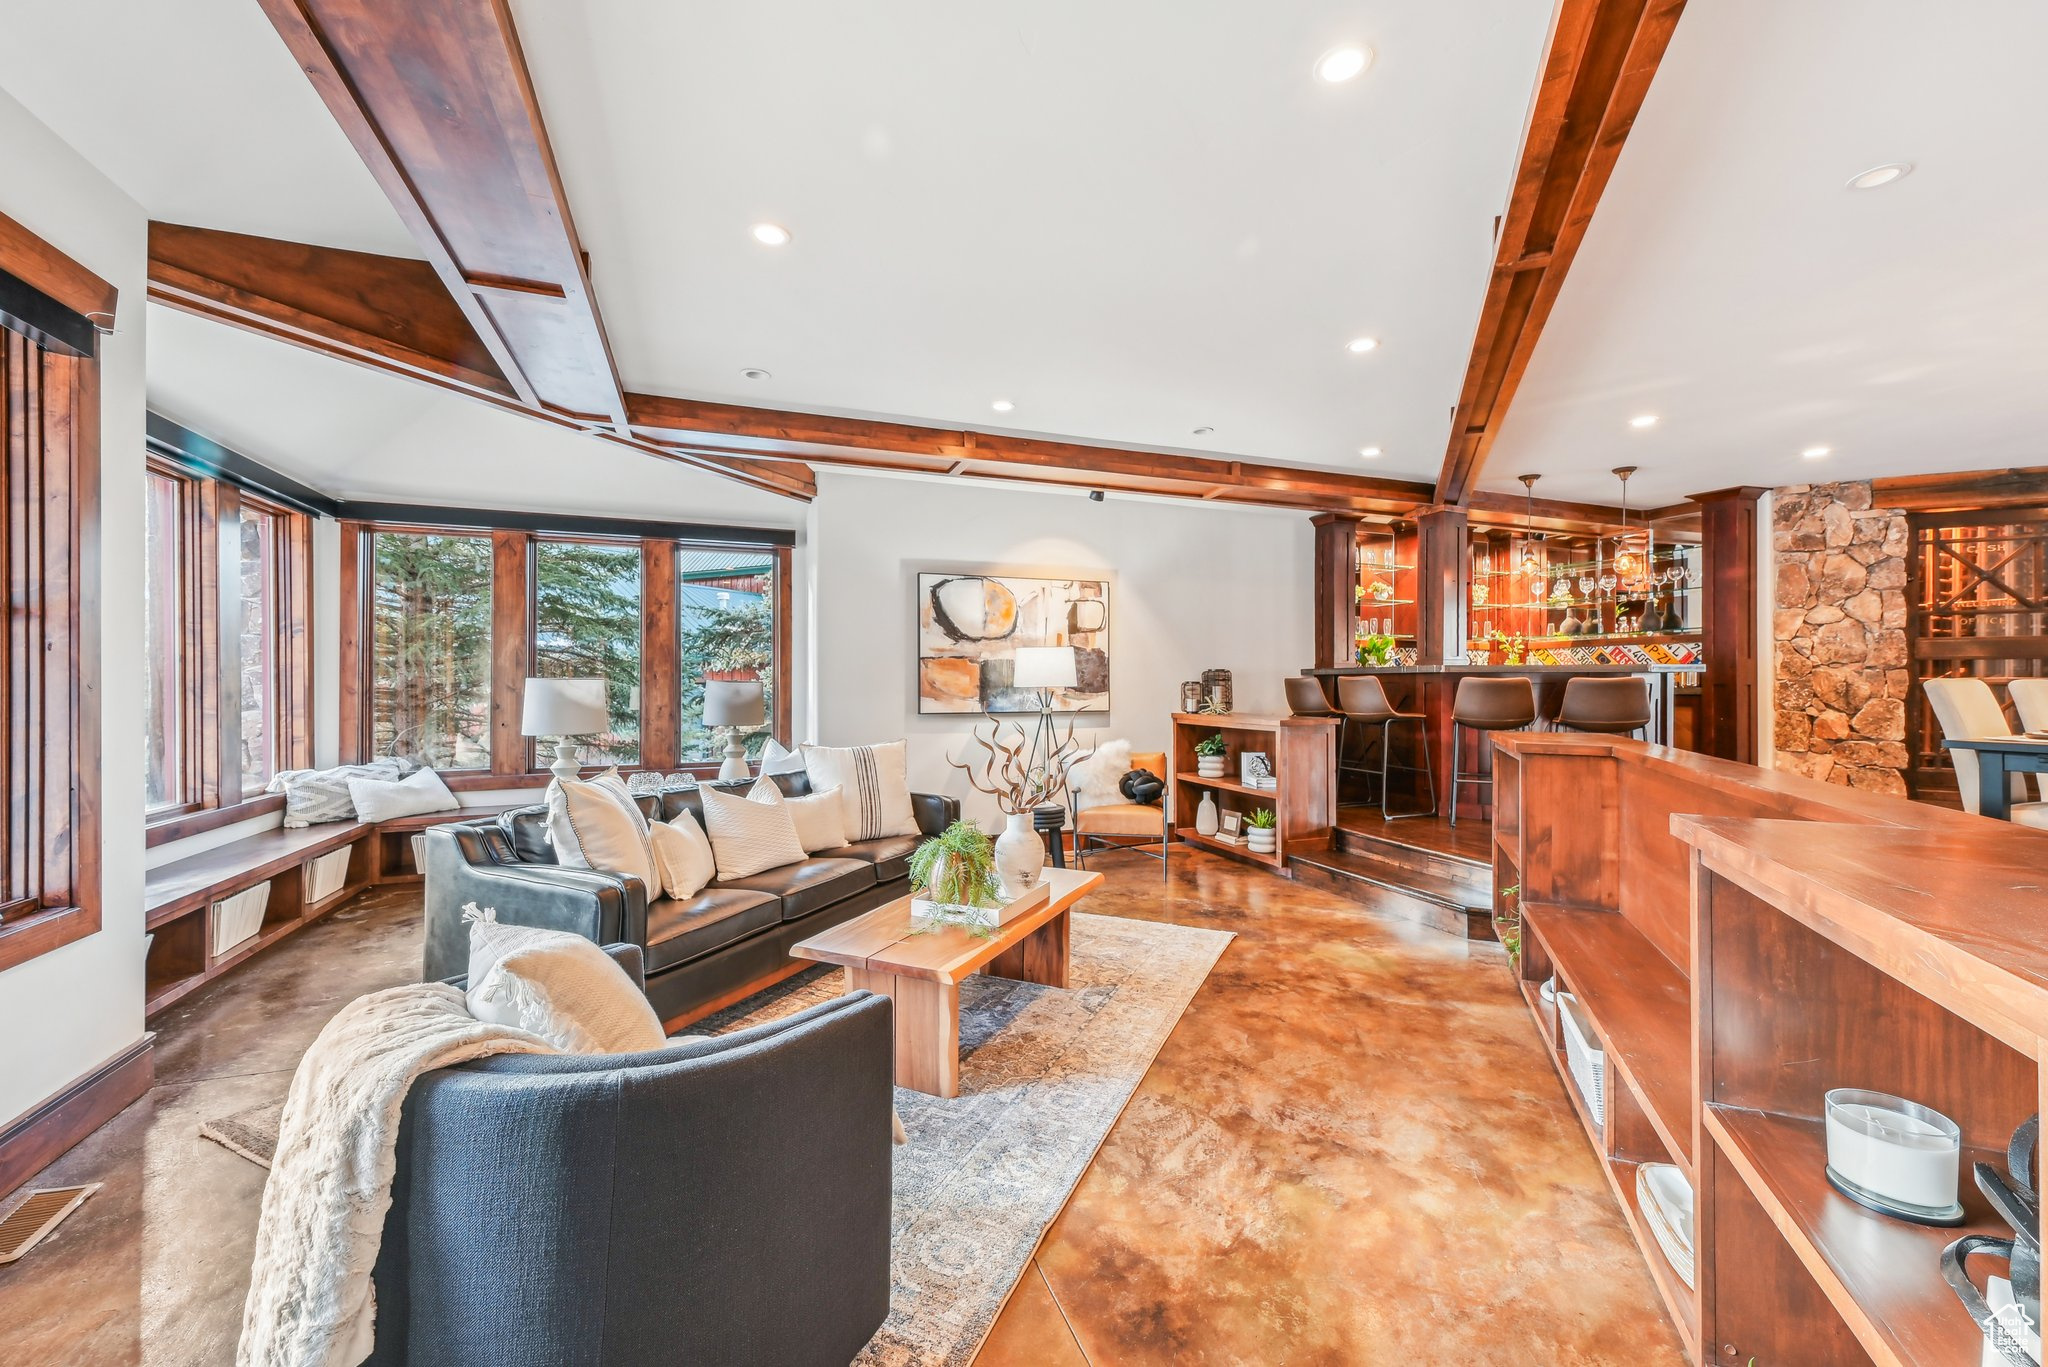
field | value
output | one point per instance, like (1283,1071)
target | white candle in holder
(1896,1150)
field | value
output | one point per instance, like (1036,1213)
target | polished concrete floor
(1351,1150)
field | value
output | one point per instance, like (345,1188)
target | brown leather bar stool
(1363,703)
(1609,706)
(1487,704)
(1305,697)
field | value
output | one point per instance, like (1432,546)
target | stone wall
(1840,627)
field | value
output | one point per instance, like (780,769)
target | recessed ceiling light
(1369,452)
(1358,346)
(1643,420)
(1816,452)
(1204,431)
(1340,64)
(756,373)
(1880,175)
(1002,405)
(771,234)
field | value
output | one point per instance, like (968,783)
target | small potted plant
(1507,923)
(1209,752)
(1262,831)
(953,878)
(1376,649)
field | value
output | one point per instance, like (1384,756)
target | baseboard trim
(47,1132)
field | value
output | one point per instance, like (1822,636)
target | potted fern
(1262,831)
(1209,752)
(953,879)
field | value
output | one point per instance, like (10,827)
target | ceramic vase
(1205,815)
(1261,839)
(1020,856)
(1209,766)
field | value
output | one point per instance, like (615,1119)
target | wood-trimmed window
(227,605)
(50,547)
(435,667)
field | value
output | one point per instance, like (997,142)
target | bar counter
(1430,690)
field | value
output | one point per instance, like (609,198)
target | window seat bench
(200,930)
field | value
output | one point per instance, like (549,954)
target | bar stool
(1363,702)
(1610,707)
(1486,704)
(1305,697)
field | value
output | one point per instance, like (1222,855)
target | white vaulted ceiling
(1130,219)
(1732,285)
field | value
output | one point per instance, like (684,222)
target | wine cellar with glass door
(1977,605)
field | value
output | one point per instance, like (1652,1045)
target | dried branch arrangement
(1018,782)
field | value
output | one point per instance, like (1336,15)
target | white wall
(1193,586)
(65,1013)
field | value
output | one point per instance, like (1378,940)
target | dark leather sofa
(726,937)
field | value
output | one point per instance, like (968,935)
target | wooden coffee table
(921,973)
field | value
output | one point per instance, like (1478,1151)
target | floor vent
(24,1226)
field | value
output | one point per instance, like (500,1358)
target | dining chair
(1968,710)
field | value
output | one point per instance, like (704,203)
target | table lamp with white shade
(734,703)
(1043,669)
(563,708)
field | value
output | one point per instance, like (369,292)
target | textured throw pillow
(596,826)
(820,817)
(682,852)
(559,986)
(312,796)
(776,760)
(748,837)
(1095,776)
(611,782)
(874,780)
(378,799)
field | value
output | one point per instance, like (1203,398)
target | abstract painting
(969,627)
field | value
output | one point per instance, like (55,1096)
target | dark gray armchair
(721,1200)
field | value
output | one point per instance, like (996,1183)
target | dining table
(1998,758)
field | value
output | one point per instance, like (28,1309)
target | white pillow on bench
(380,799)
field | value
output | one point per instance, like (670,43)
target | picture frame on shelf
(1230,824)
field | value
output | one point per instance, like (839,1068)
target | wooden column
(511,661)
(1336,577)
(661,696)
(1443,584)
(1728,700)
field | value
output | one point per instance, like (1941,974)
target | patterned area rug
(1044,1074)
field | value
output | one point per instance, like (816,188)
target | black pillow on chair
(1142,786)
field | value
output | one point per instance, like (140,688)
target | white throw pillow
(312,796)
(874,780)
(820,817)
(558,986)
(595,826)
(748,837)
(610,781)
(776,760)
(378,799)
(683,854)
(1095,778)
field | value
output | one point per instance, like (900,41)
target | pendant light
(1535,562)
(1632,547)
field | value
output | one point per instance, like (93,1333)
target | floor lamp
(1043,668)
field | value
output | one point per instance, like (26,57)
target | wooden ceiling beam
(1597,70)
(1966,490)
(385,312)
(440,106)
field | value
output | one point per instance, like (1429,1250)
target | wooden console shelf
(1303,753)
(1742,941)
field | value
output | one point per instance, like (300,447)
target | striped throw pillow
(875,782)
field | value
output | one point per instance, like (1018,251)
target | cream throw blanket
(310,1301)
